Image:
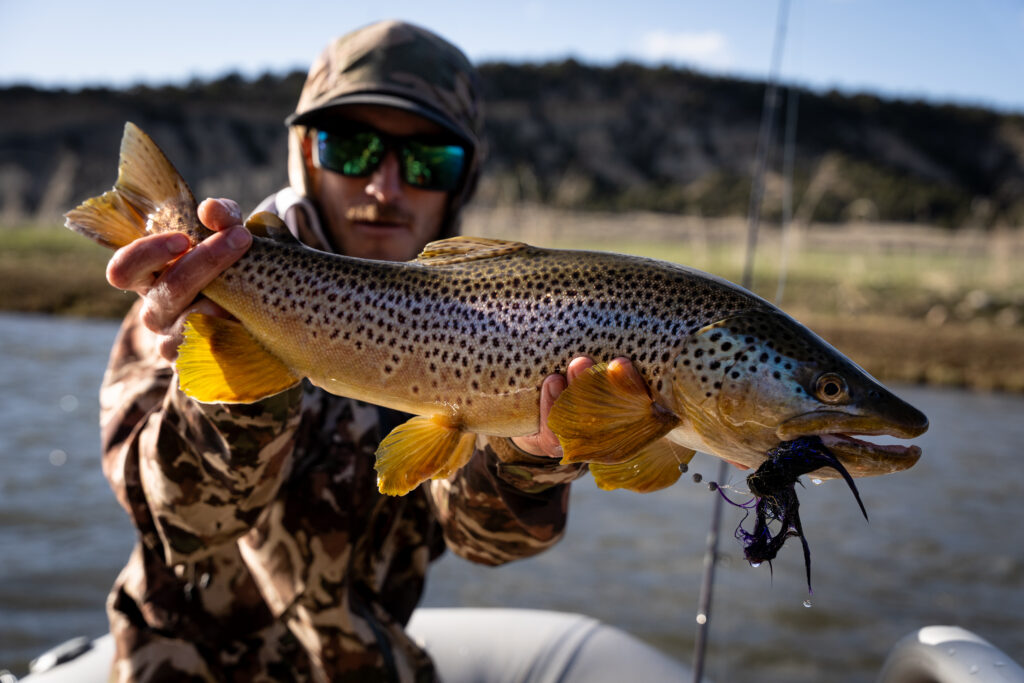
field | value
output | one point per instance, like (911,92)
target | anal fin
(425,447)
(220,362)
(606,416)
(655,467)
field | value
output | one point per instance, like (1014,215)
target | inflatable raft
(548,647)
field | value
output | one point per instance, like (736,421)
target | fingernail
(177,243)
(238,237)
(234,210)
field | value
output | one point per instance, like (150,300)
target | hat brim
(325,112)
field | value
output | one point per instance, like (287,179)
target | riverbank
(909,304)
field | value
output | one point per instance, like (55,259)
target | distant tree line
(566,134)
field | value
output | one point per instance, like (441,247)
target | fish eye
(831,388)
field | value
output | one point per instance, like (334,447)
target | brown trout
(463,336)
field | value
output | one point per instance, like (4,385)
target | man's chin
(382,242)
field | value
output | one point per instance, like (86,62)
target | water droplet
(998,665)
(68,403)
(816,481)
(755,565)
(951,651)
(58,457)
(702,619)
(807,602)
(974,669)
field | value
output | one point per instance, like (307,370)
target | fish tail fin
(431,447)
(220,362)
(149,196)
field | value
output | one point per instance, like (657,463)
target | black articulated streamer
(774,488)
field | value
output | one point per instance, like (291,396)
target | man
(266,552)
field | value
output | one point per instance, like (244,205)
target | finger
(134,267)
(544,442)
(220,214)
(623,364)
(181,283)
(578,366)
(546,439)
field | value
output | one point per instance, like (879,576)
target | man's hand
(169,275)
(544,442)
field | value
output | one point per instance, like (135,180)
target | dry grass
(52,270)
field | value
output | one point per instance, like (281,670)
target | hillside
(564,134)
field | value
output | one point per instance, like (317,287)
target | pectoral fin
(654,468)
(423,448)
(220,362)
(606,416)
(267,225)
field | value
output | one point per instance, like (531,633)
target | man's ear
(307,153)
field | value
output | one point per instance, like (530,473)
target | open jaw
(865,459)
(861,458)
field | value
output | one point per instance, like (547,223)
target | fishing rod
(753,224)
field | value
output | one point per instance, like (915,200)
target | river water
(944,544)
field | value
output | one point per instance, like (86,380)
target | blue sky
(963,51)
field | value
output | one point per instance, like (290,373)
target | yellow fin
(149,196)
(270,226)
(220,362)
(606,416)
(655,467)
(462,249)
(108,220)
(423,448)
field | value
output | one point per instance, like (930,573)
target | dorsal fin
(462,249)
(270,226)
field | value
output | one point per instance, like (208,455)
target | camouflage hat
(395,64)
(399,65)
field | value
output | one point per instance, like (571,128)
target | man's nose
(385,183)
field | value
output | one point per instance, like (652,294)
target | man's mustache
(378,213)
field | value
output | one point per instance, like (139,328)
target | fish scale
(473,338)
(463,337)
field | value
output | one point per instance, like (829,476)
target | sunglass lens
(352,154)
(433,167)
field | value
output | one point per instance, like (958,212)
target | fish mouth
(865,459)
(860,457)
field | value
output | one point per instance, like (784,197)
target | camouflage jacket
(265,551)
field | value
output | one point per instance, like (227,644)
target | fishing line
(754,217)
(788,162)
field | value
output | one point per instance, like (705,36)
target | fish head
(755,379)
